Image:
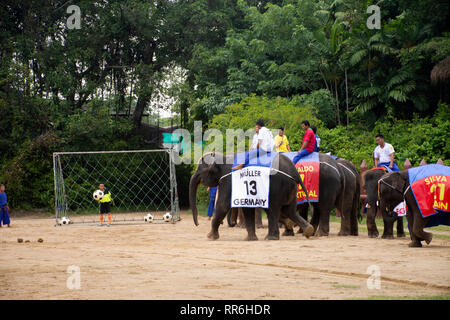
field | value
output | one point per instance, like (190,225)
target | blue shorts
(394,166)
(4,217)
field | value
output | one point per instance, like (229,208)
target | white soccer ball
(98,195)
(65,220)
(148,218)
(167,217)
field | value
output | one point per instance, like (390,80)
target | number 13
(253,185)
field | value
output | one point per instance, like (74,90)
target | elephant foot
(373,234)
(309,231)
(271,237)
(401,235)
(321,233)
(343,233)
(428,238)
(259,226)
(213,235)
(251,238)
(289,232)
(388,236)
(415,244)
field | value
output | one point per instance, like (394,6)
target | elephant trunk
(390,217)
(193,185)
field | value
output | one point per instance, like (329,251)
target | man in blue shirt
(317,144)
(4,215)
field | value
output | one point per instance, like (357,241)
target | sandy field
(177,261)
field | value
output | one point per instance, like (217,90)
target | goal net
(140,182)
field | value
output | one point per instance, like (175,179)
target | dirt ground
(177,261)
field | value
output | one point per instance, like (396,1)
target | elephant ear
(398,182)
(213,169)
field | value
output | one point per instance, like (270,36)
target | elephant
(214,169)
(339,186)
(370,183)
(394,188)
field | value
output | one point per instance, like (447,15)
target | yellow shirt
(284,143)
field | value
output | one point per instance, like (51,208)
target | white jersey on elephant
(250,187)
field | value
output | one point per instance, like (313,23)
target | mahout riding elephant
(370,184)
(214,169)
(339,187)
(394,188)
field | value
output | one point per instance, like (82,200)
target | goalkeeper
(105,204)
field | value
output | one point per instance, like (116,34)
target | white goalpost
(140,182)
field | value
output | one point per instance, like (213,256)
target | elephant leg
(315,218)
(354,222)
(305,226)
(303,213)
(371,225)
(400,229)
(232,217)
(288,226)
(344,206)
(273,215)
(249,214)
(324,221)
(356,211)
(241,219)
(345,217)
(258,218)
(219,215)
(415,242)
(419,224)
(388,232)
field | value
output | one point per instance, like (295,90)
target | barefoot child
(4,215)
(105,204)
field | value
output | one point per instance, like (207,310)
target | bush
(417,139)
(29,175)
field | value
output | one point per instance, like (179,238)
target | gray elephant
(394,188)
(339,187)
(214,169)
(370,183)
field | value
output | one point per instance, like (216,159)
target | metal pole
(54,180)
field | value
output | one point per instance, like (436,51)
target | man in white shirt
(262,140)
(384,154)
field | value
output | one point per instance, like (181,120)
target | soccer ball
(65,220)
(98,195)
(167,217)
(148,218)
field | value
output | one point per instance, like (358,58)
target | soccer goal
(140,182)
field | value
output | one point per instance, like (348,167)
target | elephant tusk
(378,204)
